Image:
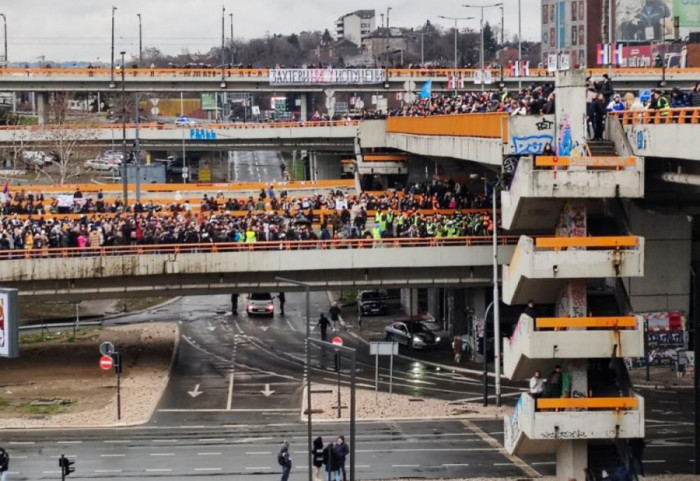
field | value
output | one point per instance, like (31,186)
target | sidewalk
(661,377)
(373,330)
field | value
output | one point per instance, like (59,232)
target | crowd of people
(336,215)
(534,100)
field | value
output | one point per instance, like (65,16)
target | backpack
(280,459)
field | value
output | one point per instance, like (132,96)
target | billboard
(688,12)
(9,323)
(644,20)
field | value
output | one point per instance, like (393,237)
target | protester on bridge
(341,450)
(317,458)
(285,460)
(323,323)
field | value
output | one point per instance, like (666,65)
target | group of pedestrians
(328,460)
(557,385)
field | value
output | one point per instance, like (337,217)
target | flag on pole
(460,81)
(426,90)
(603,54)
(450,81)
(6,189)
(526,68)
(618,54)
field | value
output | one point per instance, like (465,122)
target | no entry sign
(106,362)
(337,341)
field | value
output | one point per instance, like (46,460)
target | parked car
(101,165)
(185,121)
(412,334)
(260,304)
(371,303)
(37,158)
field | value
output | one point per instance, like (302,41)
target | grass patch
(4,403)
(56,407)
(46,336)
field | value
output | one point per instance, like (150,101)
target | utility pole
(481,54)
(125,179)
(223,47)
(233,44)
(137,145)
(111,84)
(140,41)
(4,21)
(502,42)
(496,301)
(456,19)
(520,44)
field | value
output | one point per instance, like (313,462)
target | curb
(445,367)
(173,357)
(660,386)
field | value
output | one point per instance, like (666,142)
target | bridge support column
(456,306)
(572,460)
(304,107)
(42,107)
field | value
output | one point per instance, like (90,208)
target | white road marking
(165,440)
(108,470)
(227,410)
(253,453)
(160,470)
(208,454)
(162,454)
(254,468)
(212,440)
(207,469)
(229,402)
(69,442)
(18,443)
(544,463)
(112,455)
(291,326)
(405,465)
(51,472)
(453,465)
(654,460)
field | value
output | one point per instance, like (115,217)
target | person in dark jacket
(599,113)
(695,96)
(282,299)
(342,450)
(317,457)
(285,460)
(234,304)
(554,383)
(4,464)
(323,323)
(332,463)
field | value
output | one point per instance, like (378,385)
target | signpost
(377,349)
(112,359)
(337,342)
(106,363)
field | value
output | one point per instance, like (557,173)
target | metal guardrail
(177,249)
(659,116)
(587,242)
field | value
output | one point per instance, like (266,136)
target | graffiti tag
(533,145)
(544,124)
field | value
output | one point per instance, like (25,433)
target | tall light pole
(4,21)
(520,45)
(496,302)
(456,19)
(140,41)
(233,44)
(111,81)
(307,367)
(125,180)
(481,53)
(223,46)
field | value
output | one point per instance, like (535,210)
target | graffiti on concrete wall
(531,145)
(512,428)
(572,221)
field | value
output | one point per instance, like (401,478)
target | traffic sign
(106,362)
(106,348)
(337,341)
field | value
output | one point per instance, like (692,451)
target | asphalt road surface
(255,166)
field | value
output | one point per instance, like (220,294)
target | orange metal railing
(253,247)
(587,242)
(486,125)
(206,126)
(590,162)
(617,322)
(659,116)
(613,403)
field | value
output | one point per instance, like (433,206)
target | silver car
(412,334)
(260,304)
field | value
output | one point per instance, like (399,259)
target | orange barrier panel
(487,125)
(659,116)
(581,322)
(563,242)
(593,162)
(224,187)
(612,403)
(385,158)
(204,248)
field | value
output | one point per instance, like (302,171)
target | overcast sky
(81,29)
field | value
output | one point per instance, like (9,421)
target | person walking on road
(4,464)
(234,304)
(457,345)
(317,457)
(282,299)
(323,323)
(285,460)
(342,450)
(335,315)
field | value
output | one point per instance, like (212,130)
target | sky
(64,30)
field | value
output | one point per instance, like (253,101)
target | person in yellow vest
(376,235)
(389,217)
(250,236)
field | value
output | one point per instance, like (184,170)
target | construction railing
(617,242)
(214,72)
(485,125)
(204,126)
(616,163)
(560,323)
(590,403)
(659,116)
(214,248)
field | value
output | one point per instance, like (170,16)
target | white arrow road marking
(264,328)
(267,392)
(196,392)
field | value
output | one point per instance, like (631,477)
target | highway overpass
(171,270)
(259,80)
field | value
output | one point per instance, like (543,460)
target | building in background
(574,28)
(355,26)
(385,46)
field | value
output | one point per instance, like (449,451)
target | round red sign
(337,341)
(106,362)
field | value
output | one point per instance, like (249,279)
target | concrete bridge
(170,270)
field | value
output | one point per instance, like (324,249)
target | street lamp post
(233,44)
(111,84)
(520,45)
(223,47)
(307,367)
(4,21)
(496,302)
(456,19)
(140,41)
(481,53)
(125,180)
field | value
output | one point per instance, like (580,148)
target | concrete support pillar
(572,460)
(432,297)
(409,301)
(330,102)
(572,300)
(457,305)
(42,107)
(304,107)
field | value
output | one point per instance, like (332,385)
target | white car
(103,165)
(185,122)
(260,304)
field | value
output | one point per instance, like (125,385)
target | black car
(371,303)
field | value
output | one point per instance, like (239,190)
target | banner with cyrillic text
(299,76)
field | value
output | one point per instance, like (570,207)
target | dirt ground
(59,382)
(368,405)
